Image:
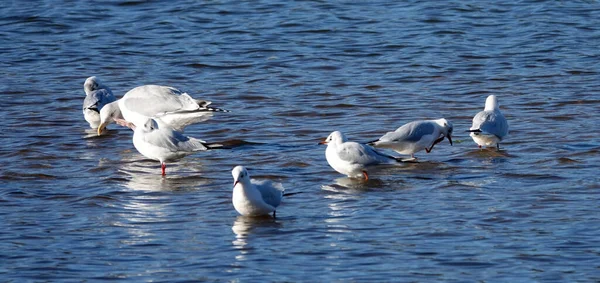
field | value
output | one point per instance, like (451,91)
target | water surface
(78,207)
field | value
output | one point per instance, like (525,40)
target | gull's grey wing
(173,140)
(91,102)
(150,100)
(411,132)
(354,152)
(105,96)
(272,193)
(491,122)
(479,119)
(97,99)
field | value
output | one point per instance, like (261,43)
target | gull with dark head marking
(168,105)
(489,126)
(254,198)
(351,158)
(97,95)
(416,136)
(164,144)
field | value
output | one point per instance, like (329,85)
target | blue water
(78,207)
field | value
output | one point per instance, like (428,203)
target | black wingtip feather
(213,109)
(94,109)
(215,146)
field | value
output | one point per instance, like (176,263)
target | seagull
(351,158)
(97,95)
(164,144)
(167,104)
(489,126)
(254,198)
(416,136)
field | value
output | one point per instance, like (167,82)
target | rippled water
(78,207)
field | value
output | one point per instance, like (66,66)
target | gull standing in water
(97,95)
(167,105)
(489,126)
(351,158)
(254,198)
(164,144)
(416,136)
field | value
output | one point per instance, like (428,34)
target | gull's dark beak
(235,183)
(449,139)
(323,141)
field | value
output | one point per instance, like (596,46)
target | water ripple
(75,205)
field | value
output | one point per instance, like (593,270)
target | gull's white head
(91,84)
(240,174)
(491,103)
(335,138)
(108,114)
(447,128)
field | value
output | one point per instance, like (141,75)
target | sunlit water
(78,207)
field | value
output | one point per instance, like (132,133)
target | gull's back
(491,122)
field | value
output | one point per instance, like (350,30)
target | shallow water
(78,207)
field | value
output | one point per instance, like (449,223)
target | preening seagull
(97,95)
(416,136)
(167,105)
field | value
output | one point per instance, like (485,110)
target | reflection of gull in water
(138,178)
(340,202)
(487,153)
(355,185)
(153,183)
(347,185)
(90,134)
(139,209)
(244,226)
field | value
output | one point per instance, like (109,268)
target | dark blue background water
(77,207)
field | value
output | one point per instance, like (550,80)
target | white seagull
(489,126)
(164,144)
(254,198)
(416,136)
(97,95)
(351,158)
(166,104)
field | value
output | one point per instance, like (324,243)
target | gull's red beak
(324,141)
